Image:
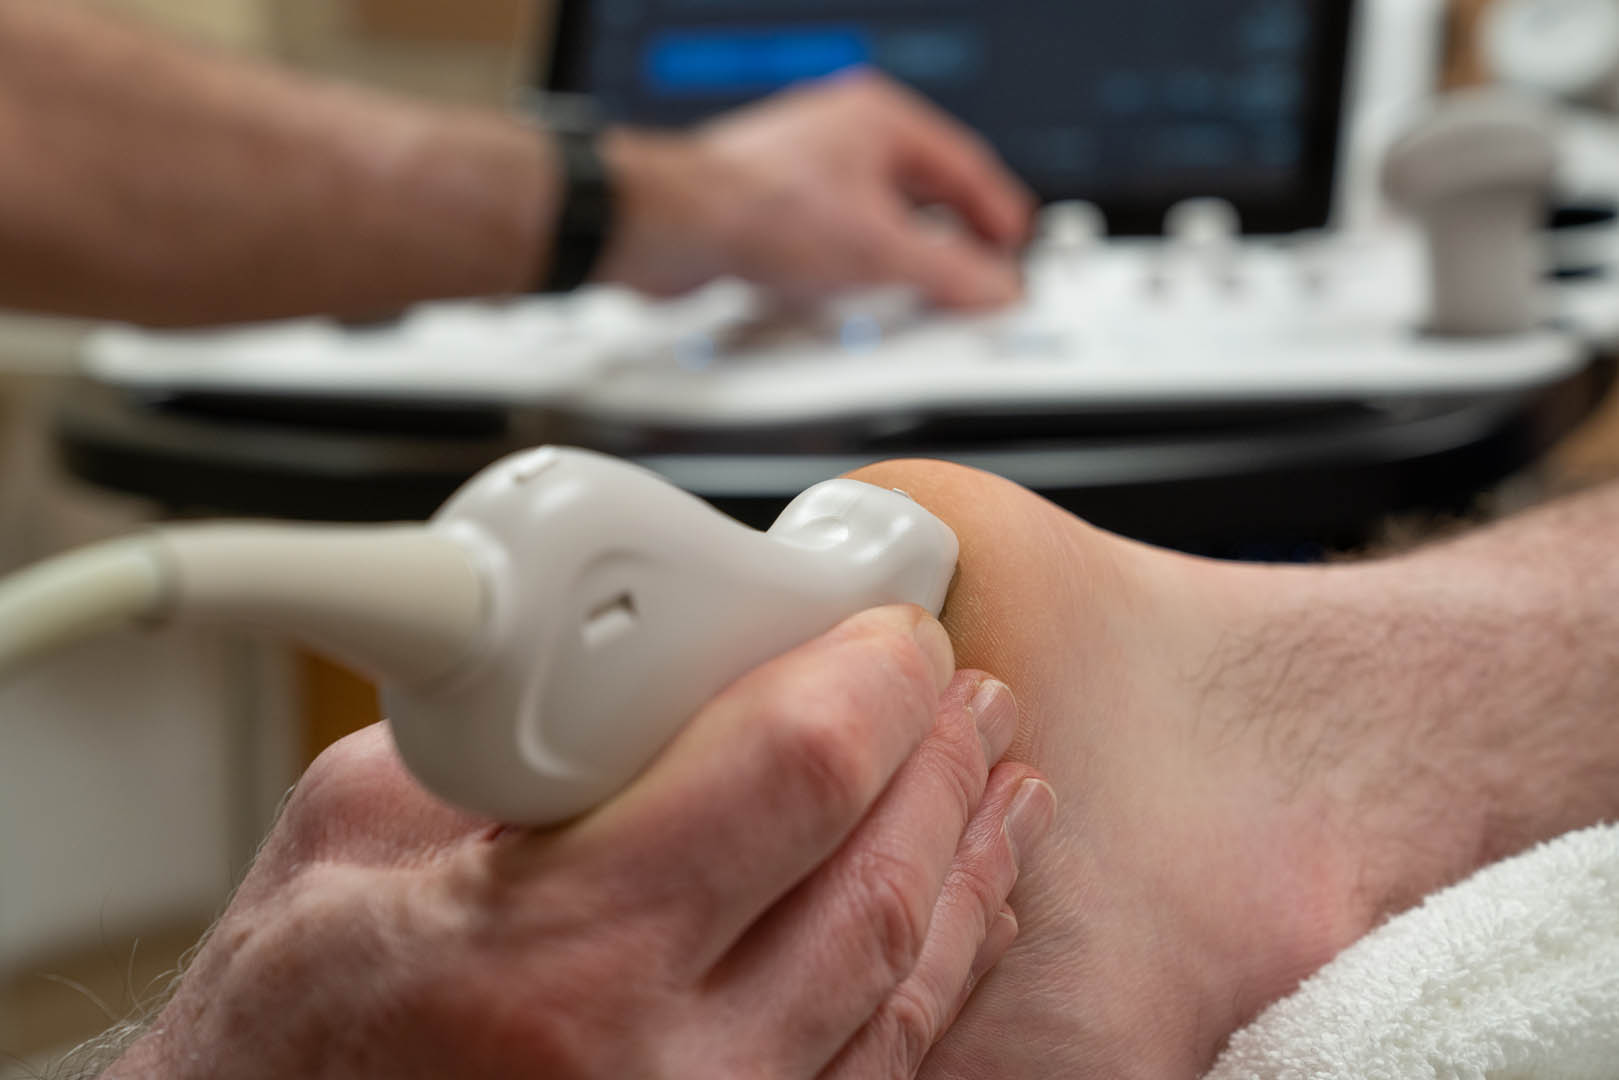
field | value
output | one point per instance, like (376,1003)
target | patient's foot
(1237,799)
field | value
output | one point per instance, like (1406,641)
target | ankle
(1262,762)
(1298,696)
(1403,783)
(1306,883)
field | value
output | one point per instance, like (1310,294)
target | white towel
(1511,975)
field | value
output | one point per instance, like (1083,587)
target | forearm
(146,182)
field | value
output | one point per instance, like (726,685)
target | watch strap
(585,219)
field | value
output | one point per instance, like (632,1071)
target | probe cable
(400,601)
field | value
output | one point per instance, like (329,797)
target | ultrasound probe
(543,636)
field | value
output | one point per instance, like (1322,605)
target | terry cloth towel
(1511,975)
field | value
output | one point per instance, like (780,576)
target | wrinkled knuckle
(908,1028)
(896,910)
(962,769)
(987,886)
(829,762)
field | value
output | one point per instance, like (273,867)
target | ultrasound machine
(1273,293)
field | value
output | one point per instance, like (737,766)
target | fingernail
(994,710)
(937,648)
(1027,822)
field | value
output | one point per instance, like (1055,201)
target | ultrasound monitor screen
(1132,104)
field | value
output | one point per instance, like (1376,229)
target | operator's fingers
(972,929)
(766,782)
(941,160)
(854,931)
(952,270)
(898,1041)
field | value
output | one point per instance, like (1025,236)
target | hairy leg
(1257,764)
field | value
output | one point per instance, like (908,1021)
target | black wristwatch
(586,218)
